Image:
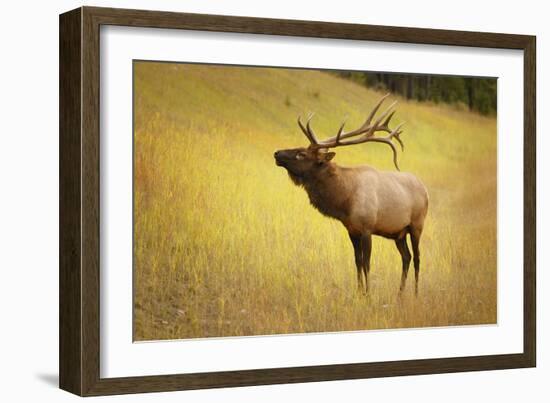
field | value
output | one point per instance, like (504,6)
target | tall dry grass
(226,245)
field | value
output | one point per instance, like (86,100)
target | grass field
(226,245)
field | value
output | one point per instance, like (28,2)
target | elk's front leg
(357,248)
(366,243)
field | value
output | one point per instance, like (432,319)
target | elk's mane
(297,180)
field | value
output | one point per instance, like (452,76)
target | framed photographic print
(249,201)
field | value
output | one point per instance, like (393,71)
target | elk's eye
(300,156)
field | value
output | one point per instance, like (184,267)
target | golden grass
(226,245)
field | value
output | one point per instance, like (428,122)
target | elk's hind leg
(401,244)
(415,241)
(358,249)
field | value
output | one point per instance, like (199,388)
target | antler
(366,130)
(308,131)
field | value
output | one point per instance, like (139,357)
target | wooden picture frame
(79,348)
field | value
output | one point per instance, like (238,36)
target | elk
(367,201)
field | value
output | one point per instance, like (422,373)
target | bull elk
(367,201)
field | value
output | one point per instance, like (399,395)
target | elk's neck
(329,191)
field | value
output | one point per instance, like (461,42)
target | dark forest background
(476,94)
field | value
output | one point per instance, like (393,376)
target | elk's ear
(328,156)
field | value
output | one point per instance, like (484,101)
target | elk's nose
(276,154)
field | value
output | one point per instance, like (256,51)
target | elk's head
(305,162)
(302,163)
